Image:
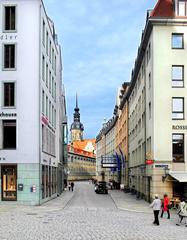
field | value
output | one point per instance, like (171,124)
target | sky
(99,40)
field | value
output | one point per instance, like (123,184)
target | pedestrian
(69,186)
(182,212)
(156,205)
(72,186)
(165,206)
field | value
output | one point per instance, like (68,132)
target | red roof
(83,143)
(163,8)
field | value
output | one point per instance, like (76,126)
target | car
(101,187)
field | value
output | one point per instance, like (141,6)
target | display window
(9,183)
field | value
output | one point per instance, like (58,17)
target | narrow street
(83,215)
(86,198)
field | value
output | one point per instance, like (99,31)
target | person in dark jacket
(72,186)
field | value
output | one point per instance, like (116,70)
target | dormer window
(182,8)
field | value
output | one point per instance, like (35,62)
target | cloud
(99,41)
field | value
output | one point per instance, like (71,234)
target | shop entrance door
(9,183)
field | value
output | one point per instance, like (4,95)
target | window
(177,76)
(9,95)
(178,147)
(43,101)
(43,33)
(149,50)
(177,108)
(43,68)
(9,183)
(149,110)
(52,58)
(9,56)
(10,18)
(50,81)
(55,92)
(53,87)
(52,116)
(47,72)
(55,65)
(46,106)
(50,111)
(9,134)
(182,8)
(177,41)
(50,51)
(149,80)
(47,42)
(55,118)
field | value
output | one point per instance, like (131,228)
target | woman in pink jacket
(165,206)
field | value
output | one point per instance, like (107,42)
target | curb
(127,209)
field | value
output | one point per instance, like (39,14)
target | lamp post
(166,173)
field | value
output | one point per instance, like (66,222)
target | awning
(179,176)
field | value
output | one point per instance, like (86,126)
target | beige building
(121,134)
(105,148)
(81,163)
(157,99)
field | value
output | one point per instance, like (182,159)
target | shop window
(50,183)
(178,147)
(9,183)
(43,182)
(9,134)
(10,18)
(47,182)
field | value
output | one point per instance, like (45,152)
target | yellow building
(121,134)
(81,160)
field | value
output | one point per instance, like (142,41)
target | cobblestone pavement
(83,215)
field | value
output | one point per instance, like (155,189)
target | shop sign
(2,114)
(33,188)
(179,127)
(20,187)
(8,37)
(149,162)
(161,165)
(45,120)
(2,158)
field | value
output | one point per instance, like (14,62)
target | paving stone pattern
(81,216)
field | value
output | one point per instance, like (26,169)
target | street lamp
(166,173)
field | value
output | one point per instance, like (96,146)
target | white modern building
(31,103)
(157,103)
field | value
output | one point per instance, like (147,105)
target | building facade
(155,103)
(30,106)
(81,163)
(105,149)
(157,98)
(121,134)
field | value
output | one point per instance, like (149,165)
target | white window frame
(3,51)
(3,20)
(15,94)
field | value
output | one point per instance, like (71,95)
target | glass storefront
(9,183)
(49,181)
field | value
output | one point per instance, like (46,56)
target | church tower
(77,127)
